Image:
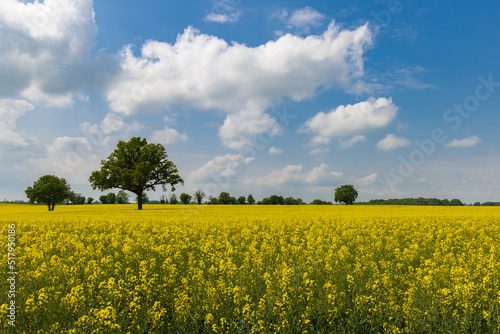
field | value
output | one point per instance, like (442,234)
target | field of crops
(253,269)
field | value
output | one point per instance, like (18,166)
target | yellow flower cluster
(254,269)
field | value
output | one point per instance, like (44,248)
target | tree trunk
(48,204)
(139,201)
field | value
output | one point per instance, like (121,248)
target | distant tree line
(487,204)
(413,201)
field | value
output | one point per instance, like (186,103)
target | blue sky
(399,98)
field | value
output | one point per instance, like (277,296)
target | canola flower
(254,269)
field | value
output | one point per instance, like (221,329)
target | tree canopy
(199,195)
(136,166)
(346,194)
(49,189)
(185,198)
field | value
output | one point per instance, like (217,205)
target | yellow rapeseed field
(252,269)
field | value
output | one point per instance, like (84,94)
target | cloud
(294,175)
(44,46)
(204,72)
(319,151)
(464,143)
(224,11)
(275,150)
(112,124)
(168,136)
(289,174)
(306,17)
(223,18)
(227,168)
(10,111)
(391,142)
(71,157)
(321,175)
(350,142)
(351,119)
(239,127)
(367,180)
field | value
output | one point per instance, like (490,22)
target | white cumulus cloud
(350,142)
(295,175)
(391,142)
(275,150)
(464,143)
(318,150)
(44,46)
(205,72)
(367,180)
(168,136)
(227,168)
(71,157)
(351,119)
(224,11)
(306,16)
(10,111)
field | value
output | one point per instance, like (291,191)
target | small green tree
(241,200)
(185,198)
(111,198)
(173,199)
(89,200)
(250,199)
(103,199)
(212,199)
(163,199)
(199,195)
(122,197)
(346,194)
(49,189)
(224,198)
(77,199)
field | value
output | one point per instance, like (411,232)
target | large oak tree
(136,166)
(346,194)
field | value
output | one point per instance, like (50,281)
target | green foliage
(103,199)
(273,200)
(346,194)
(185,198)
(78,199)
(456,202)
(173,199)
(136,166)
(199,195)
(293,201)
(49,189)
(414,201)
(163,199)
(111,198)
(491,204)
(250,199)
(122,197)
(241,200)
(321,202)
(225,198)
(212,200)
(90,200)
